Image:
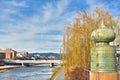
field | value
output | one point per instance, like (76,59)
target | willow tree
(118,33)
(77,41)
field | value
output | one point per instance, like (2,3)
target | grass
(55,72)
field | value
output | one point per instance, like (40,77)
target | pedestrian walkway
(60,75)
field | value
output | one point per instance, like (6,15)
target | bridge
(51,62)
(34,61)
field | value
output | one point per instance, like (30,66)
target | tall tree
(77,40)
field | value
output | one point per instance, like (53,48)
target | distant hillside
(57,55)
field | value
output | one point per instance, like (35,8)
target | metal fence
(118,59)
(86,73)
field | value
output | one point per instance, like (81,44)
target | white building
(22,54)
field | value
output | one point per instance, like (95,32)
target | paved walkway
(60,75)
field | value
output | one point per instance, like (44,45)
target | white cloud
(47,12)
(20,33)
(53,11)
(14,3)
(62,6)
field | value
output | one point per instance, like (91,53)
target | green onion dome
(103,34)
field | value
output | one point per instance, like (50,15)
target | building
(22,54)
(7,54)
(52,57)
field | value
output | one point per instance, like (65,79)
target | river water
(40,72)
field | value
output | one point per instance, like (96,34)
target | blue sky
(37,25)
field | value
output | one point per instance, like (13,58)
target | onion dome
(103,34)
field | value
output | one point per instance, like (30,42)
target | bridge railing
(34,61)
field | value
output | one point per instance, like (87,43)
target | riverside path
(60,75)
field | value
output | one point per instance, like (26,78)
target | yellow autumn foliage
(77,40)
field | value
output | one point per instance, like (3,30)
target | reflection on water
(40,72)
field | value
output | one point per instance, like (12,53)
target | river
(39,72)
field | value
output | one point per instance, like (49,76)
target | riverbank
(7,67)
(3,70)
(55,72)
